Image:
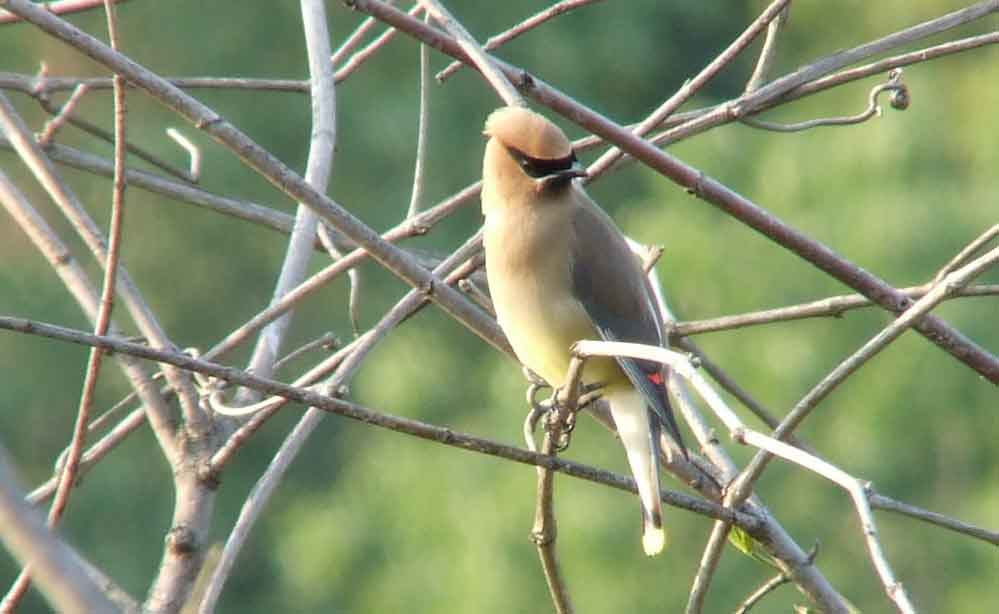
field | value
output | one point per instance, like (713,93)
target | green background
(373,521)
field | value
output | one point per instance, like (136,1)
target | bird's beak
(576,170)
(564,176)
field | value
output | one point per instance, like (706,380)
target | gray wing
(608,281)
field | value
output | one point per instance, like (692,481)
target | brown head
(527,157)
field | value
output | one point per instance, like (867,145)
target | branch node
(181,540)
(209,475)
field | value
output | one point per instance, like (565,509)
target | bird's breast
(527,265)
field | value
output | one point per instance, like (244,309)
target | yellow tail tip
(653,540)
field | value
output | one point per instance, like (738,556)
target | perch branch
(416,428)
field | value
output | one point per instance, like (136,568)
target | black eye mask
(542,167)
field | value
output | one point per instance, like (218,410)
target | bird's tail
(639,432)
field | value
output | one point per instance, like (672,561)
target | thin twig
(545,530)
(327,341)
(43,85)
(193,151)
(178,190)
(102,134)
(966,253)
(756,596)
(832,307)
(350,43)
(778,89)
(422,130)
(809,88)
(482,61)
(694,85)
(59,7)
(768,53)
(53,125)
(97,451)
(407,228)
(470,288)
(888,504)
(881,66)
(706,568)
(358,59)
(532,22)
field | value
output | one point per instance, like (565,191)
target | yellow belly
(536,310)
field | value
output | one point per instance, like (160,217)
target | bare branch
(532,22)
(894,589)
(882,502)
(344,408)
(95,453)
(482,61)
(59,7)
(694,85)
(53,125)
(104,135)
(351,42)
(268,482)
(768,53)
(194,169)
(834,306)
(317,175)
(60,572)
(20,137)
(706,568)
(362,56)
(756,596)
(58,255)
(70,469)
(545,530)
(259,159)
(904,322)
(40,86)
(423,129)
(967,253)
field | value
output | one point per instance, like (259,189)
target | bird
(560,271)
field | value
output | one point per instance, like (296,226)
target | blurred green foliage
(372,521)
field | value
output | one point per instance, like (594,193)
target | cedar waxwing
(560,271)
